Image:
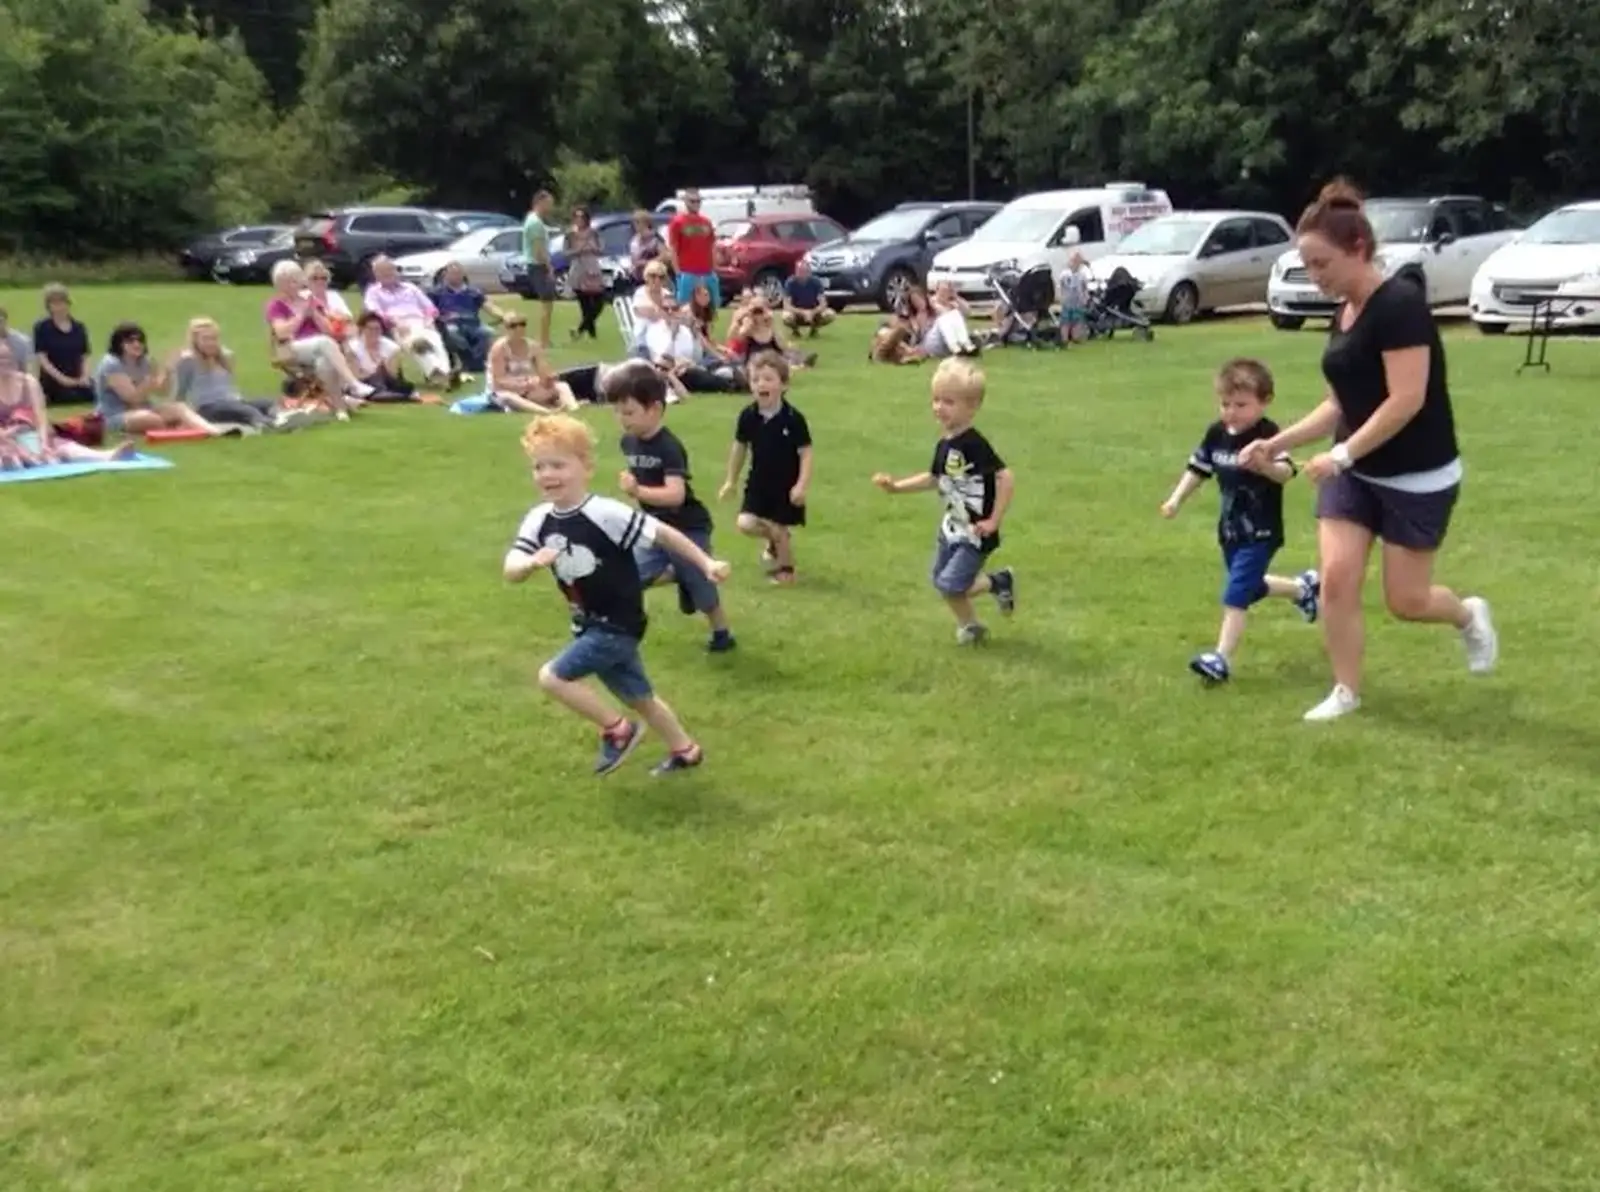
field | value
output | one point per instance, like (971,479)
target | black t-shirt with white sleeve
(654,459)
(1395,317)
(1252,504)
(965,468)
(595,568)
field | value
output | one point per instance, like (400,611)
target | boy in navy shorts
(777,440)
(588,542)
(657,477)
(976,487)
(1250,525)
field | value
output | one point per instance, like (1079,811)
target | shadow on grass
(1488,714)
(676,802)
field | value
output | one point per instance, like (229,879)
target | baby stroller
(1026,296)
(1111,307)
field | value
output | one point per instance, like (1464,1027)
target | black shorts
(1415,521)
(772,506)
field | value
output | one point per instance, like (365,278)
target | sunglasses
(514,324)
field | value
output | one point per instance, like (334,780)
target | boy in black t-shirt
(1250,525)
(776,438)
(657,477)
(588,542)
(976,487)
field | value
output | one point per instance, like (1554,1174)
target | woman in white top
(519,378)
(319,288)
(377,360)
(652,303)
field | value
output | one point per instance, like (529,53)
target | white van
(1048,227)
(722,203)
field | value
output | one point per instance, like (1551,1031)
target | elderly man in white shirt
(409,316)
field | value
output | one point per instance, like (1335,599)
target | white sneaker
(362,389)
(971,635)
(1341,701)
(1482,643)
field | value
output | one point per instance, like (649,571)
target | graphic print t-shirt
(1252,504)
(965,468)
(595,569)
(654,459)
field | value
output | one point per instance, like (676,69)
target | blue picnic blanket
(138,463)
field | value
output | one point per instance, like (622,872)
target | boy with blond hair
(1250,523)
(588,542)
(976,487)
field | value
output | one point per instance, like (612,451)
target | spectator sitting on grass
(753,332)
(519,378)
(26,439)
(461,309)
(652,304)
(377,361)
(125,385)
(61,345)
(21,345)
(804,303)
(409,316)
(319,288)
(203,379)
(303,337)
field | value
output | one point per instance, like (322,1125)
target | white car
(1046,228)
(481,253)
(1561,254)
(1195,261)
(1439,241)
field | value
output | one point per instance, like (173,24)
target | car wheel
(218,276)
(1491,328)
(769,284)
(895,288)
(1183,303)
(564,288)
(1287,322)
(1416,278)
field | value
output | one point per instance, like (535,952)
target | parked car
(347,239)
(1559,253)
(470,221)
(759,252)
(1439,242)
(1045,229)
(253,266)
(1190,262)
(197,260)
(481,253)
(719,203)
(615,229)
(890,253)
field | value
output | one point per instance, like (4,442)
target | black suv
(890,253)
(347,239)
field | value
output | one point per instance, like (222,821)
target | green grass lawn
(304,887)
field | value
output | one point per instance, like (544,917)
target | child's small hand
(985,528)
(718,571)
(544,556)
(884,481)
(725,491)
(797,495)
(1169,509)
(627,483)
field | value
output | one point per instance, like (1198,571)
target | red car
(759,252)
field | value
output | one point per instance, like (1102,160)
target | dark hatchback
(347,239)
(890,253)
(199,258)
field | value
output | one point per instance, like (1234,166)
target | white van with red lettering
(1047,227)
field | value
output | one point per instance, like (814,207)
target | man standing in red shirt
(691,239)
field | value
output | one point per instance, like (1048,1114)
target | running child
(976,487)
(775,437)
(588,542)
(1250,524)
(657,477)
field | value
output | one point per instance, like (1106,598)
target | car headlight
(244,258)
(856,258)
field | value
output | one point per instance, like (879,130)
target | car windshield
(1575,225)
(892,225)
(281,240)
(1399,223)
(474,241)
(1021,225)
(1165,237)
(736,229)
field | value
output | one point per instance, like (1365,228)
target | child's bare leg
(782,547)
(717,618)
(961,606)
(580,697)
(655,712)
(1233,621)
(1284,589)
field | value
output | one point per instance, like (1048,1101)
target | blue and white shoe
(1211,667)
(615,747)
(673,763)
(1309,601)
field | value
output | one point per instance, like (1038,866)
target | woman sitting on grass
(377,359)
(900,340)
(753,332)
(125,388)
(335,310)
(203,379)
(26,440)
(519,378)
(303,338)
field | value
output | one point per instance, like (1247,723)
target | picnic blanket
(137,463)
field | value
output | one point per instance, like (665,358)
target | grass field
(304,887)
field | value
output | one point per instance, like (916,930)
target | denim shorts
(1247,564)
(695,590)
(609,656)
(956,567)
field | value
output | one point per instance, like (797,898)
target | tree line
(130,125)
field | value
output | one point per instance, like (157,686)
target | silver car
(481,254)
(1190,262)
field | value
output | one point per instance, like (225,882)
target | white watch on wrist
(1341,456)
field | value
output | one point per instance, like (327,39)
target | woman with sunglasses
(519,378)
(126,385)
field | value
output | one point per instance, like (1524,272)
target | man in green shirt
(536,247)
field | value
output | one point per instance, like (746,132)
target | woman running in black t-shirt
(1393,472)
